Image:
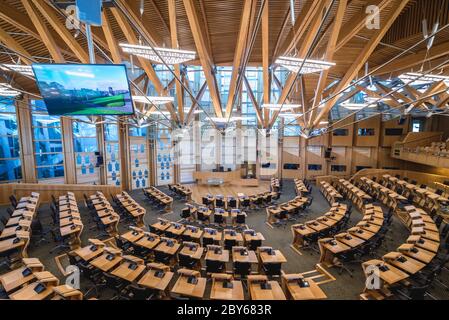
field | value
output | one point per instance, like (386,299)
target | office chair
(245,204)
(232,203)
(62,242)
(93,276)
(38,232)
(268,200)
(439,192)
(140,252)
(229,243)
(398,176)
(114,283)
(254,244)
(347,257)
(423,186)
(218,220)
(88,202)
(185,213)
(308,203)
(207,241)
(438,220)
(213,266)
(134,292)
(310,243)
(4,220)
(55,202)
(272,269)
(200,216)
(13,200)
(281,219)
(185,261)
(414,182)
(162,257)
(124,245)
(240,219)
(219,203)
(242,269)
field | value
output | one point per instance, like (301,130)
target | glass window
(10,164)
(393,131)
(164,156)
(140,172)
(340,132)
(366,132)
(338,168)
(417,125)
(112,159)
(85,146)
(48,148)
(314,167)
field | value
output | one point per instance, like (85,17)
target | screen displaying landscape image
(84,89)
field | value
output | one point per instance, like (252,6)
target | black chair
(114,283)
(438,219)
(185,213)
(245,204)
(219,203)
(162,257)
(13,200)
(229,243)
(207,241)
(240,219)
(200,216)
(4,220)
(242,269)
(134,292)
(218,219)
(272,269)
(62,242)
(93,276)
(281,218)
(439,192)
(124,245)
(232,203)
(186,261)
(254,244)
(414,182)
(213,266)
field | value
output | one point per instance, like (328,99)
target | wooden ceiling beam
(330,51)
(13,45)
(359,62)
(175,45)
(145,64)
(49,14)
(239,54)
(18,20)
(265,118)
(302,22)
(305,45)
(198,97)
(110,39)
(415,59)
(357,23)
(397,95)
(373,94)
(45,35)
(203,53)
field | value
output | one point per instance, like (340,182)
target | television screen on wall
(84,89)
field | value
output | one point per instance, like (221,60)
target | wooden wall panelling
(343,140)
(124,156)
(388,140)
(368,141)
(291,154)
(26,141)
(69,155)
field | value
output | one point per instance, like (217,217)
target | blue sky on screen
(83,76)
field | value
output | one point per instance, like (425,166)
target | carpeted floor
(345,287)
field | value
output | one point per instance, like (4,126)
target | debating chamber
(224,150)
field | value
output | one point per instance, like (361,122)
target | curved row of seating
(330,193)
(353,193)
(415,264)
(15,237)
(306,235)
(158,199)
(102,213)
(180,191)
(126,205)
(30,281)
(242,201)
(302,187)
(217,217)
(278,215)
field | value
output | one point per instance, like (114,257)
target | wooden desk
(223,256)
(257,293)
(297,292)
(132,235)
(195,254)
(329,250)
(15,279)
(277,257)
(424,243)
(391,276)
(28,292)
(150,280)
(219,292)
(125,272)
(251,257)
(184,288)
(86,253)
(417,253)
(409,265)
(104,264)
(149,241)
(349,240)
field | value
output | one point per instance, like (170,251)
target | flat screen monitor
(84,89)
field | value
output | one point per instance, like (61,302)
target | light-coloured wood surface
(200,190)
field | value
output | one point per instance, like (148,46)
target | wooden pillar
(26,141)
(69,154)
(102,150)
(124,156)
(152,156)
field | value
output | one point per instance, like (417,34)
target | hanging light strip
(290,115)
(153,100)
(170,56)
(7,91)
(357,106)
(420,78)
(273,106)
(225,120)
(19,68)
(308,65)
